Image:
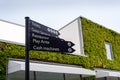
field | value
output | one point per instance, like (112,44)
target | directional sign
(51,43)
(42,29)
(43,38)
(54,41)
(53,49)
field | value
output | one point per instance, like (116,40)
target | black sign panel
(50,43)
(53,49)
(53,41)
(43,38)
(42,29)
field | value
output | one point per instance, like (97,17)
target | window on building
(109,50)
(72,77)
(49,76)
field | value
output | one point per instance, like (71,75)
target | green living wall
(94,36)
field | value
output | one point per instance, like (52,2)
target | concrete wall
(72,32)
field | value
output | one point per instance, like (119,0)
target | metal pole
(64,76)
(27,48)
(81,77)
(34,75)
(105,78)
(118,78)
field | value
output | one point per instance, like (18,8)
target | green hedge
(94,36)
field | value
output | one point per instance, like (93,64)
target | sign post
(42,38)
(27,40)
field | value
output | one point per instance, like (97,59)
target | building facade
(96,56)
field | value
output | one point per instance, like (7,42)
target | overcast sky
(57,13)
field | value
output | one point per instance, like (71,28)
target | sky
(57,13)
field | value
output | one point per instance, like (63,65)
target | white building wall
(12,33)
(72,32)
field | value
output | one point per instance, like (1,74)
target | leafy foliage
(95,36)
